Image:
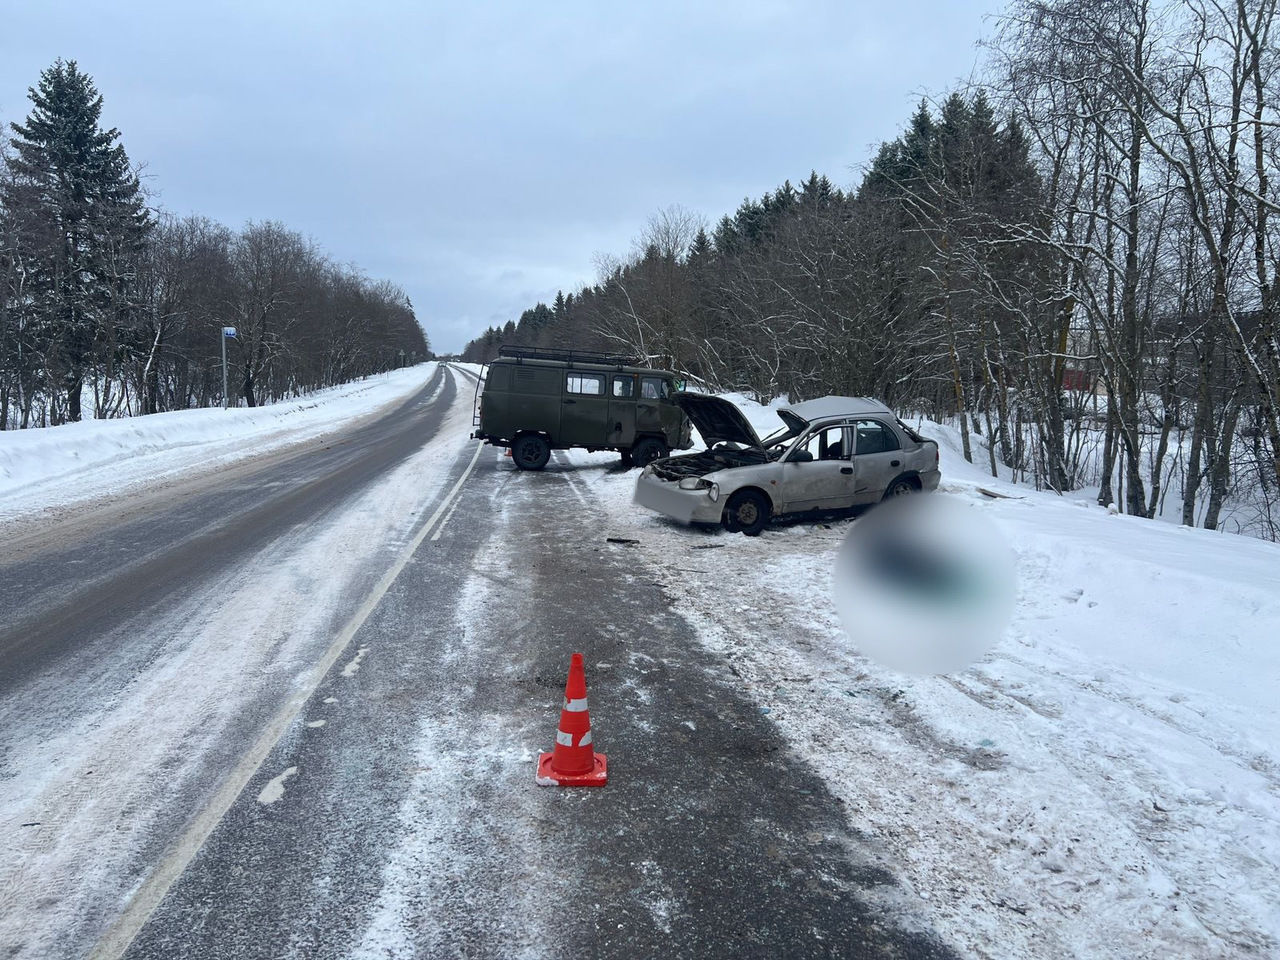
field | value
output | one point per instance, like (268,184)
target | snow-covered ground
(54,467)
(1105,782)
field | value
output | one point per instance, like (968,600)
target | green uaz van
(535,401)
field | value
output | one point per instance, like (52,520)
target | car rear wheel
(647,451)
(530,451)
(901,487)
(748,512)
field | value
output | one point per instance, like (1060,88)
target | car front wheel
(748,512)
(530,451)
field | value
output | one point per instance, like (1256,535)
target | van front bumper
(666,497)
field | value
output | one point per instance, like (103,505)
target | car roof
(578,365)
(825,407)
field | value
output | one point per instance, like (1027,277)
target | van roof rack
(571,356)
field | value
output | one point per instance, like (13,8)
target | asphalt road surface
(371,793)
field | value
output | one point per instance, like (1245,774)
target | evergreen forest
(107,301)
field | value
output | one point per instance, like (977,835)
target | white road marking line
(152,890)
(445,522)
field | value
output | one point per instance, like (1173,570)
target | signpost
(228,333)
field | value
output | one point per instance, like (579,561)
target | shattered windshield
(776,443)
(780,436)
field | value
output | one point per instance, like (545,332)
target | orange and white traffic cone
(573,763)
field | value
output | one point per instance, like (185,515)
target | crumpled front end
(668,498)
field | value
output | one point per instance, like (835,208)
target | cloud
(480,155)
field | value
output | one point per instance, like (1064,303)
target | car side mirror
(801,456)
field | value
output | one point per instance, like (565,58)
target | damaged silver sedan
(832,454)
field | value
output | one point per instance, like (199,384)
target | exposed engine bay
(720,457)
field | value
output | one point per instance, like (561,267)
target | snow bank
(57,466)
(1105,782)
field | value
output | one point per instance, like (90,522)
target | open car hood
(716,419)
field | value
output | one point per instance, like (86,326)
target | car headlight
(701,483)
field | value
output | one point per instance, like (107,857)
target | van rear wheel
(530,451)
(648,450)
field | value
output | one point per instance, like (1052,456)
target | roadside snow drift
(59,466)
(1104,782)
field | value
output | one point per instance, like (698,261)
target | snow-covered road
(409,825)
(140,665)
(276,712)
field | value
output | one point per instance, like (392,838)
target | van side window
(874,437)
(624,386)
(653,388)
(591,384)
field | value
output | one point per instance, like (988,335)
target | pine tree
(700,249)
(83,229)
(727,241)
(811,191)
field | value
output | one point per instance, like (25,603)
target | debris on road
(998,496)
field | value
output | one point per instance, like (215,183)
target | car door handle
(571,401)
(892,463)
(846,469)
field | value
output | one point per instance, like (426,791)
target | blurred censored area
(924,584)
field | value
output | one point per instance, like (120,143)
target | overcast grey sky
(482,154)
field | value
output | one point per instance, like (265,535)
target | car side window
(829,444)
(624,387)
(875,437)
(590,384)
(653,388)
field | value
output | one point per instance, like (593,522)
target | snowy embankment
(54,467)
(1105,782)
